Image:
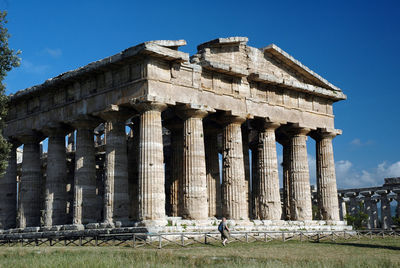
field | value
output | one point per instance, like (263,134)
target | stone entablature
(228,95)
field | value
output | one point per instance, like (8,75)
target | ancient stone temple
(229,101)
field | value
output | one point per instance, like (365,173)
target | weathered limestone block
(194,186)
(151,164)
(8,191)
(269,201)
(30,185)
(176,193)
(55,210)
(233,178)
(85,198)
(301,208)
(116,185)
(213,178)
(326,177)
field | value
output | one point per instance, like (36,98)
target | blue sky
(353,44)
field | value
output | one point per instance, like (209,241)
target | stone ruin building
(183,112)
(354,201)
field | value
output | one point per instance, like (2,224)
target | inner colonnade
(182,113)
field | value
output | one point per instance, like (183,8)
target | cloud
(53,52)
(29,67)
(357,142)
(348,176)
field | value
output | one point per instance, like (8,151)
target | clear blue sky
(353,44)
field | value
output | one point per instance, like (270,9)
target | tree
(8,60)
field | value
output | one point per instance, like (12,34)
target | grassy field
(343,253)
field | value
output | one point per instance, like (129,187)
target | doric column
(151,164)
(133,172)
(342,206)
(326,177)
(116,186)
(286,180)
(386,215)
(269,201)
(397,191)
(370,209)
(30,185)
(55,206)
(194,186)
(85,198)
(254,184)
(354,207)
(233,178)
(8,190)
(301,208)
(213,178)
(246,163)
(71,142)
(176,193)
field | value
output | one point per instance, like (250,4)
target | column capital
(56,129)
(115,113)
(226,119)
(85,122)
(367,193)
(144,106)
(298,131)
(350,194)
(30,136)
(265,124)
(196,111)
(325,133)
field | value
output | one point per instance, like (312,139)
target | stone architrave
(116,184)
(85,196)
(8,190)
(233,178)
(301,208)
(194,186)
(326,177)
(386,214)
(56,196)
(30,186)
(269,201)
(151,163)
(213,173)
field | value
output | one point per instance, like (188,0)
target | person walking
(224,230)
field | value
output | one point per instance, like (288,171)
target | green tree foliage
(8,60)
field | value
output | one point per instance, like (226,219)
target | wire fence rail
(185,239)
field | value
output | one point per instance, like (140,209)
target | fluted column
(301,208)
(397,191)
(233,179)
(286,180)
(30,185)
(370,209)
(151,166)
(386,214)
(8,191)
(85,198)
(133,172)
(116,185)
(176,191)
(269,201)
(55,209)
(194,186)
(342,207)
(71,142)
(326,177)
(254,184)
(213,178)
(246,163)
(354,207)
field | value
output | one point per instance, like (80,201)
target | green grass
(342,253)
